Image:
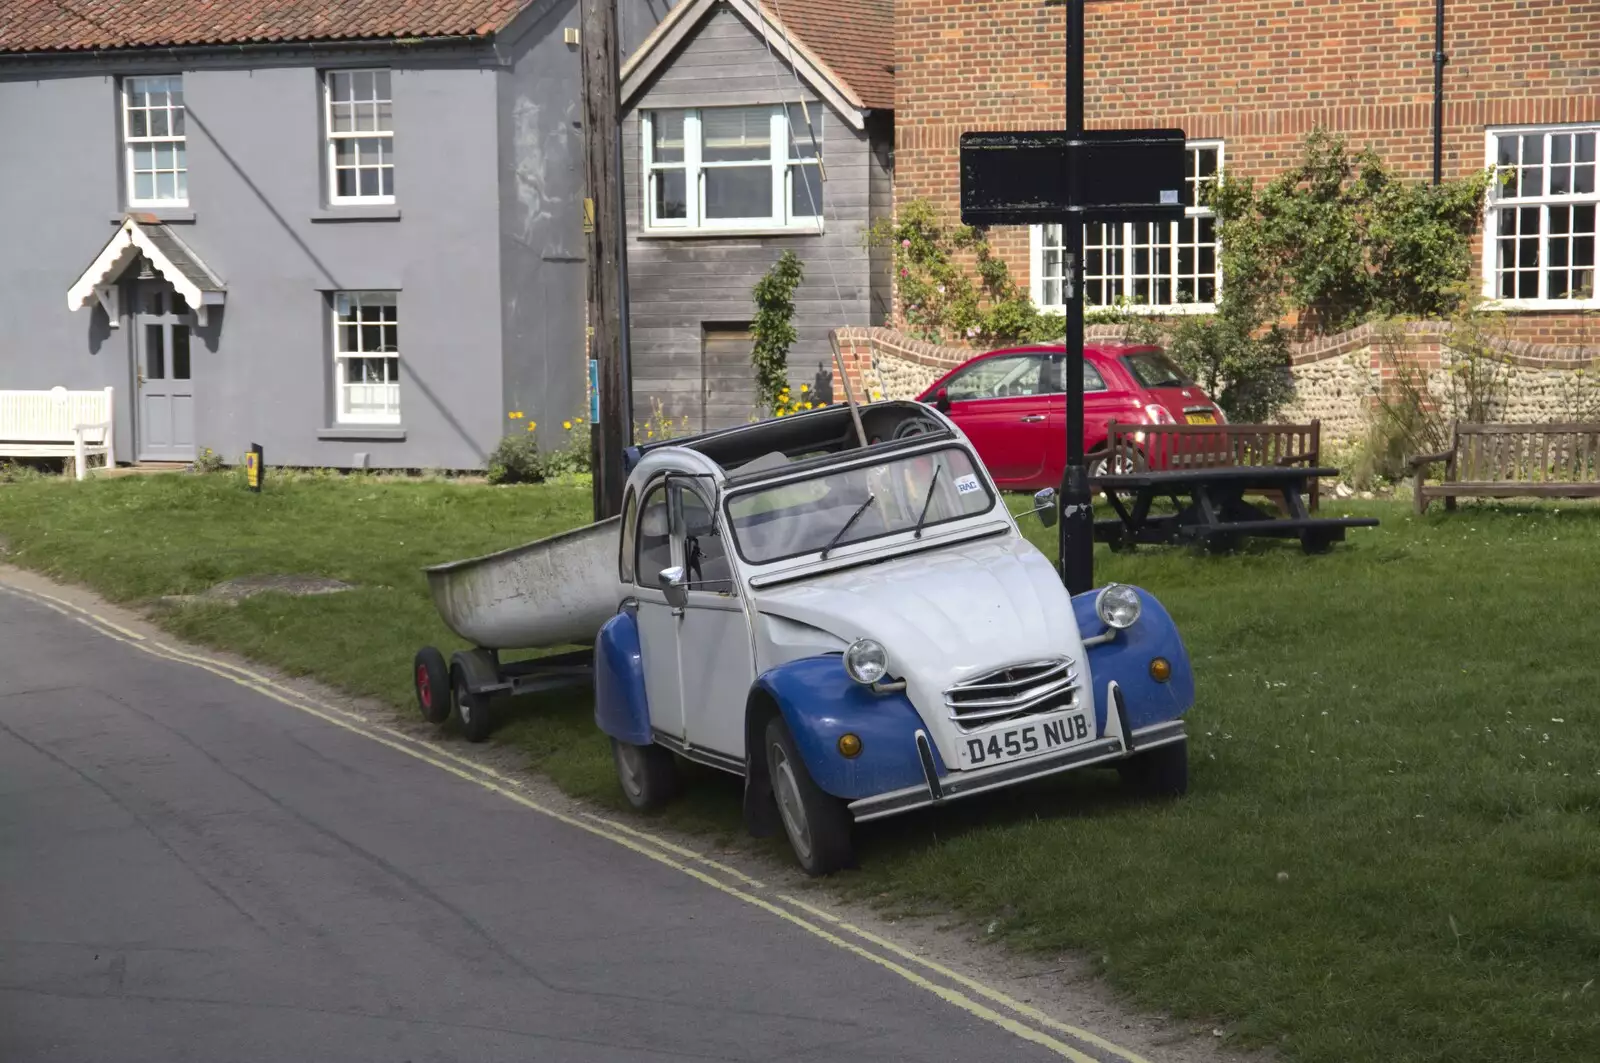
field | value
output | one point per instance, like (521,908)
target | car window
(705,554)
(655,538)
(1153,369)
(1052,381)
(996,378)
(790,519)
(625,555)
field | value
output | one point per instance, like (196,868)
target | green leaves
(773,327)
(952,287)
(1340,239)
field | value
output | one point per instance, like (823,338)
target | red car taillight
(1155,413)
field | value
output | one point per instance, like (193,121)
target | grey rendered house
(349,232)
(751,127)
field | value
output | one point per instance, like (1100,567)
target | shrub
(209,461)
(516,460)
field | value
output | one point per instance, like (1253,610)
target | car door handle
(1033,417)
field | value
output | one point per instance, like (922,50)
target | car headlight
(1118,605)
(867,661)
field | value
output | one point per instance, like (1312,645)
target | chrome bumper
(937,789)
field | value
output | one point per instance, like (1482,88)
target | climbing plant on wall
(773,328)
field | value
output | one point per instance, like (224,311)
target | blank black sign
(1020,178)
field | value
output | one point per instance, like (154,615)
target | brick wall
(1258,74)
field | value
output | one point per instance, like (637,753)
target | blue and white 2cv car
(862,630)
(845,616)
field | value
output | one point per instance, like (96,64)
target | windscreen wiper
(862,508)
(926,502)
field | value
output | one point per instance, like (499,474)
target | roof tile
(854,37)
(77,25)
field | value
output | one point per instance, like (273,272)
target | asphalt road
(190,870)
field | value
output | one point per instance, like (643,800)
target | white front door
(714,652)
(658,622)
(164,423)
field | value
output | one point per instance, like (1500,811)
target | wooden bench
(1512,461)
(1173,447)
(58,424)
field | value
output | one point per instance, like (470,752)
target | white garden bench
(58,424)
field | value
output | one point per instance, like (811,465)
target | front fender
(820,702)
(1126,659)
(620,707)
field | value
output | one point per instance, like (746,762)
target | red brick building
(1247,80)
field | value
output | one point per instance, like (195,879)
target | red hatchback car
(1012,405)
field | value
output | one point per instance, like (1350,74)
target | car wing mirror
(1044,504)
(675,585)
(941,400)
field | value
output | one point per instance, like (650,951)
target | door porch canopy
(144,235)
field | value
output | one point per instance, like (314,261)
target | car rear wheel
(1101,463)
(817,823)
(648,774)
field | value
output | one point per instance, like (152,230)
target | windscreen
(1153,369)
(856,504)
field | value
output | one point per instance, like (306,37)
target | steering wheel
(915,426)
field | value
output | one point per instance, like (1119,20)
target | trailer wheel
(432,677)
(472,708)
(817,823)
(648,774)
(1159,772)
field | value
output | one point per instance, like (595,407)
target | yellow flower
(649,433)
(531,427)
(567,425)
(804,388)
(514,415)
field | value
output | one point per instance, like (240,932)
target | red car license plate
(1204,417)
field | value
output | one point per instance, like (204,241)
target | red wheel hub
(424,688)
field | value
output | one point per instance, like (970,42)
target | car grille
(1019,690)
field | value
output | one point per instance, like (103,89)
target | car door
(654,551)
(1098,408)
(996,402)
(714,652)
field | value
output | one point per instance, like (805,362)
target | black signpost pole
(1077,511)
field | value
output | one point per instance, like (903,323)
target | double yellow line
(954,988)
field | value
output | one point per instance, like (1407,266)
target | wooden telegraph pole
(607,252)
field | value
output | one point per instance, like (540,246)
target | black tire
(432,678)
(1159,772)
(916,426)
(472,709)
(817,823)
(648,775)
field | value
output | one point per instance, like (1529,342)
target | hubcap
(628,768)
(790,806)
(424,688)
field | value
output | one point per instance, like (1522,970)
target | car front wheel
(1159,772)
(817,823)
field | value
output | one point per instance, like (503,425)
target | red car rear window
(1153,369)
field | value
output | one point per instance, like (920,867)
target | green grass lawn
(1391,847)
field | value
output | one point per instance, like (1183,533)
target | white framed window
(1540,233)
(366,357)
(733,167)
(156,160)
(1167,267)
(359,118)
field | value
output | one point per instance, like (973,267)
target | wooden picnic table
(1211,510)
